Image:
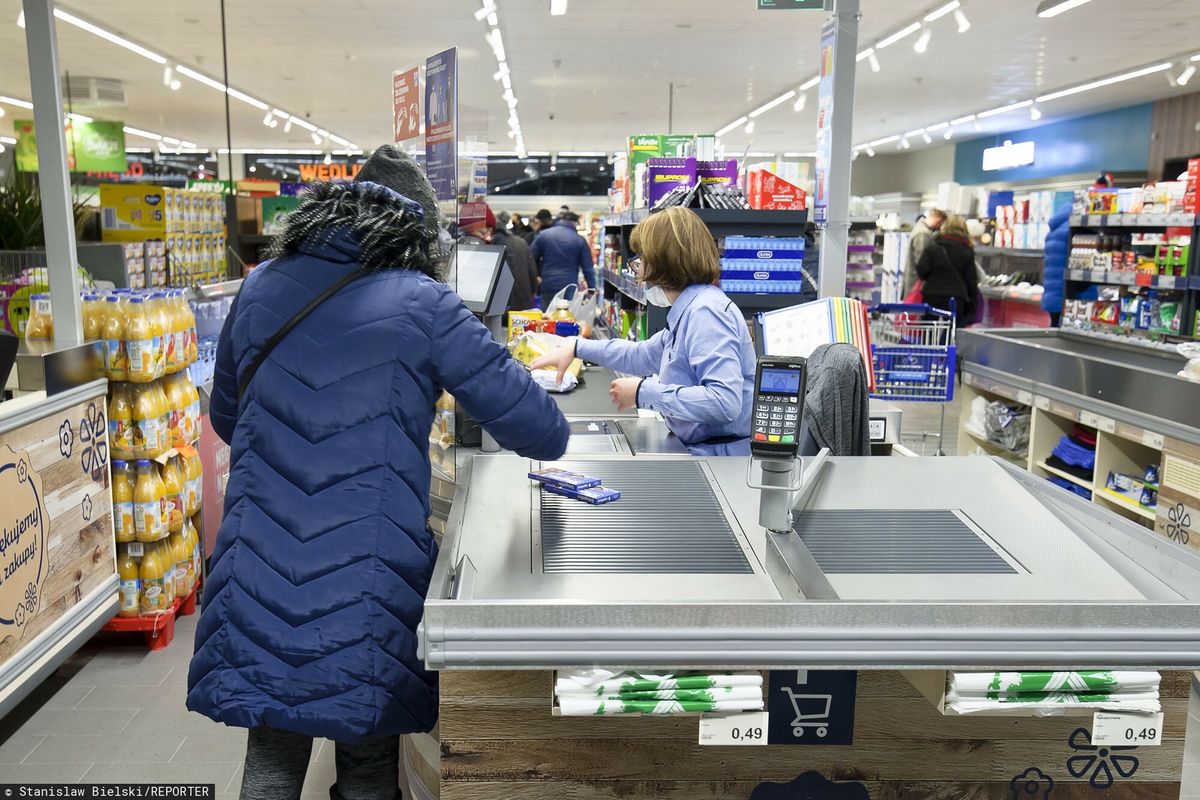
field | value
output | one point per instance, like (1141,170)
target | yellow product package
(530,346)
(520,321)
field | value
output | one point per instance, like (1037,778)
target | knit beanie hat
(389,166)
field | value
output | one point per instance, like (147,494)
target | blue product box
(764,248)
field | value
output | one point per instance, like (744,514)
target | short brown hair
(677,249)
(956,226)
(937,212)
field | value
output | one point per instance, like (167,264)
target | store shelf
(215,291)
(1008,293)
(1066,476)
(860,248)
(1132,341)
(729,221)
(1133,220)
(764,302)
(626,286)
(995,449)
(1012,252)
(1126,278)
(860,285)
(1121,501)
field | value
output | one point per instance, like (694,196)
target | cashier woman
(698,372)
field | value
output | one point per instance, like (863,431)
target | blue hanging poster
(441,123)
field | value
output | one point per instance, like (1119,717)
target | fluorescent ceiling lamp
(316,139)
(928,139)
(783,98)
(1104,82)
(80,117)
(801,101)
(908,30)
(757,154)
(558,8)
(922,43)
(870,151)
(917,132)
(171,140)
(277,151)
(964,24)
(189,145)
(884,140)
(120,41)
(730,126)
(488,8)
(1186,75)
(1035,113)
(870,51)
(873,60)
(200,77)
(303,123)
(142,134)
(1005,109)
(500,73)
(938,13)
(1196,58)
(1052,8)
(904,145)
(506,81)
(541,153)
(949,134)
(750,127)
(280,113)
(12,101)
(962,120)
(811,82)
(799,155)
(493,20)
(939,127)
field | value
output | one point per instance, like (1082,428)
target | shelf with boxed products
(1176,220)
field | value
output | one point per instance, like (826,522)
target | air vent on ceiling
(92,92)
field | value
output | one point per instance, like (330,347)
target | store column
(837,100)
(54,179)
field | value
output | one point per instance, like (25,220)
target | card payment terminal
(779,386)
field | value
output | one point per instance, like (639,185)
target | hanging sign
(813,707)
(406,105)
(824,121)
(97,146)
(441,123)
(1008,156)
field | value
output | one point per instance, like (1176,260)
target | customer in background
(561,255)
(541,220)
(699,371)
(518,226)
(948,270)
(520,261)
(919,242)
(309,621)
(1054,265)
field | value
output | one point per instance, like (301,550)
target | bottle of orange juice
(177,550)
(149,436)
(179,323)
(40,324)
(129,575)
(197,565)
(172,481)
(176,405)
(193,483)
(192,349)
(124,527)
(93,321)
(193,411)
(152,576)
(140,342)
(167,560)
(120,422)
(116,354)
(161,323)
(164,412)
(147,503)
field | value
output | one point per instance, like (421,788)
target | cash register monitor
(481,277)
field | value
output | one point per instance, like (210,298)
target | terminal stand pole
(58,214)
(494,324)
(837,227)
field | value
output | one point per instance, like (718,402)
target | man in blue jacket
(561,254)
(323,559)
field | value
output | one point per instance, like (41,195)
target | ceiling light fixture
(749,127)
(1104,82)
(884,140)
(870,151)
(922,43)
(1035,113)
(269,120)
(865,54)
(799,155)
(783,98)
(941,126)
(964,24)
(107,35)
(949,134)
(938,13)
(1052,8)
(506,81)
(558,8)
(200,77)
(731,126)
(907,30)
(873,60)
(157,137)
(811,82)
(963,120)
(1186,75)
(80,117)
(1005,109)
(316,139)
(328,158)
(488,8)
(8,140)
(500,73)
(904,145)
(928,139)
(801,102)
(12,101)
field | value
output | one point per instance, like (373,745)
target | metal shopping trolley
(913,355)
(812,711)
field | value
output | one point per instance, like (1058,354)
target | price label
(1076,220)
(1134,730)
(136,549)
(1024,398)
(1166,281)
(1105,424)
(740,729)
(1077,275)
(1088,418)
(1145,219)
(1152,439)
(1042,402)
(1129,219)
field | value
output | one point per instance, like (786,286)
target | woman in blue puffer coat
(1054,265)
(324,556)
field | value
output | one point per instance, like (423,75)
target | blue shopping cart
(913,355)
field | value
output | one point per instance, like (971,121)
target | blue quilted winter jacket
(324,557)
(1054,266)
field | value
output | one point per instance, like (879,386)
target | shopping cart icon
(818,719)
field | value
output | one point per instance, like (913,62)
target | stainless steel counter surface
(591,398)
(998,570)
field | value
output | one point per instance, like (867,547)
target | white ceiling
(588,79)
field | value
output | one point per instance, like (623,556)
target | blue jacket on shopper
(323,559)
(1054,269)
(560,253)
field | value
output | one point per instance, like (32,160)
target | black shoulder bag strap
(286,328)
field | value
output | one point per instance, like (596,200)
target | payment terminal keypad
(776,419)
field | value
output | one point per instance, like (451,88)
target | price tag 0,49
(1127,730)
(739,729)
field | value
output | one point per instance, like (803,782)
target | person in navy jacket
(321,566)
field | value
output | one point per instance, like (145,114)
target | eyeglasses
(635,264)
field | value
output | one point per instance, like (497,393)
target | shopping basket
(913,355)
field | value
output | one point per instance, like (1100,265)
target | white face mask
(657,296)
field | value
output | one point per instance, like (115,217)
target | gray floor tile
(321,775)
(17,747)
(106,721)
(216,773)
(123,673)
(157,747)
(221,744)
(324,751)
(68,695)
(178,720)
(135,697)
(44,773)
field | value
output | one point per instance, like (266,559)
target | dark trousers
(277,762)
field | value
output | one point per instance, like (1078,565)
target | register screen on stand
(474,274)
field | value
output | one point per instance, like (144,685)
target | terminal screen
(780,381)
(476,274)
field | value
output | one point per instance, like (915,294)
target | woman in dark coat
(319,575)
(948,271)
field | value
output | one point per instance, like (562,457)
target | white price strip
(741,729)
(1105,424)
(1089,419)
(1134,730)
(1042,402)
(1152,439)
(1024,398)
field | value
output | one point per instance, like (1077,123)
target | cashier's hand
(560,359)
(624,393)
